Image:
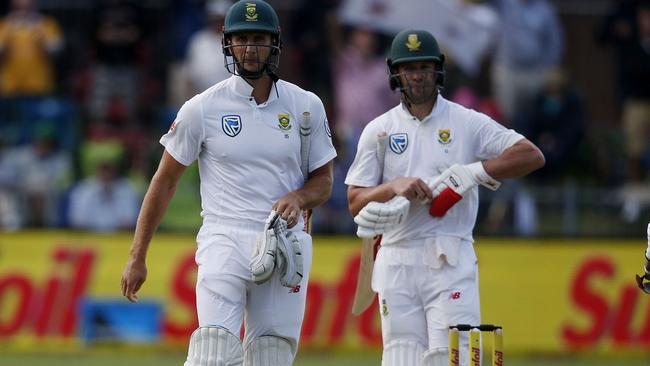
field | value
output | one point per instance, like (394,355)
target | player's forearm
(517,161)
(153,209)
(318,188)
(359,197)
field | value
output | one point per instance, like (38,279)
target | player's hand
(377,218)
(414,189)
(450,186)
(133,277)
(288,207)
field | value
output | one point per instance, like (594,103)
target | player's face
(251,50)
(418,80)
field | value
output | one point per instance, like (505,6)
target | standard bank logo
(231,125)
(398,142)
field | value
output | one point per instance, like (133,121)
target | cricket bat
(364,295)
(305,132)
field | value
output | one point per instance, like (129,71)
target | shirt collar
(244,89)
(441,104)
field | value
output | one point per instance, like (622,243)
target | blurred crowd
(87,89)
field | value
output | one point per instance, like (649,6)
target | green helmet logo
(251,16)
(251,12)
(412,43)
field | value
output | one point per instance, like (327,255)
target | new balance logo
(454,295)
(295,290)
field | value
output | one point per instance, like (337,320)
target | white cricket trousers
(418,303)
(226,295)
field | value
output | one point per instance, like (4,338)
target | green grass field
(306,359)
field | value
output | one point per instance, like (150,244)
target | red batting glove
(443,202)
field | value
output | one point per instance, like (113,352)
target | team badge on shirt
(444,137)
(231,125)
(251,12)
(398,142)
(284,122)
(384,307)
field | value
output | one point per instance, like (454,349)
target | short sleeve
(321,148)
(184,139)
(493,138)
(365,171)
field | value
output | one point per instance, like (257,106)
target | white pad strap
(402,352)
(268,351)
(214,346)
(436,357)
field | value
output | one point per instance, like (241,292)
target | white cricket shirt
(424,149)
(249,154)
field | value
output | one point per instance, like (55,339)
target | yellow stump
(497,347)
(454,351)
(475,347)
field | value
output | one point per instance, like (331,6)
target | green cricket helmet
(251,16)
(413,46)
(247,16)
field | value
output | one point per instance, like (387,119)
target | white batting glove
(377,218)
(450,186)
(289,261)
(264,255)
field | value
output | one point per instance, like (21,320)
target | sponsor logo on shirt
(398,142)
(444,137)
(173,126)
(231,125)
(284,122)
(327,128)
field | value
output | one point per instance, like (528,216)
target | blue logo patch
(327,128)
(399,142)
(231,125)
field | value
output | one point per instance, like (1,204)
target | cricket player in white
(253,256)
(424,201)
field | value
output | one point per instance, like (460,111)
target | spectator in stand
(205,62)
(529,45)
(360,87)
(628,29)
(557,125)
(118,33)
(28,43)
(37,175)
(104,202)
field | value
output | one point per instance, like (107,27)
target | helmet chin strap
(409,101)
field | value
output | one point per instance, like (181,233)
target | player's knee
(269,351)
(439,357)
(403,352)
(214,346)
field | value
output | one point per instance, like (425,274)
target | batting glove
(263,260)
(450,186)
(377,218)
(289,259)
